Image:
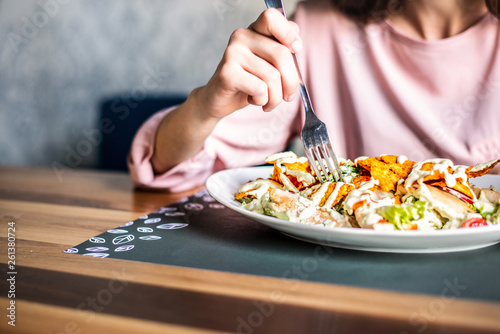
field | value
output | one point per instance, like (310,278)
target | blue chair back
(120,119)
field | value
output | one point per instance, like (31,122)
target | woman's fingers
(284,38)
(271,77)
(280,58)
(273,24)
(268,60)
(232,87)
(257,66)
(254,77)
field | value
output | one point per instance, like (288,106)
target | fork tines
(324,156)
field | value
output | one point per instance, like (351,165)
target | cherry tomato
(474,222)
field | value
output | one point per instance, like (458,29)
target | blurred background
(64,63)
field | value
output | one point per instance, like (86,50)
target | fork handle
(303,90)
(277,4)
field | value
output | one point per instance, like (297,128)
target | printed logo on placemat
(157,226)
(117,231)
(123,239)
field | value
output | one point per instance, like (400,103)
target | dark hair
(373,10)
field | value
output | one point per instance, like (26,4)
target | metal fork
(315,138)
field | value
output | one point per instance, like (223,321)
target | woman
(419,78)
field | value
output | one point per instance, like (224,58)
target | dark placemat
(198,232)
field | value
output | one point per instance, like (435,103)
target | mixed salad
(383,193)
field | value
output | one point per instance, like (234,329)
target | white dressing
(434,208)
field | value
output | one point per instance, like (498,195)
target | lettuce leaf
(402,216)
(279,215)
(488,211)
(485,208)
(350,169)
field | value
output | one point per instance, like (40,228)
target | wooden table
(62,293)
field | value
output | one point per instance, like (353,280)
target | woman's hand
(257,67)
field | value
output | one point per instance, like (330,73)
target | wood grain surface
(57,292)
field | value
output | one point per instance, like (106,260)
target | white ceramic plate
(224,185)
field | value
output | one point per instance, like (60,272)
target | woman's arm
(257,68)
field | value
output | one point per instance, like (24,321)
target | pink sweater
(378,91)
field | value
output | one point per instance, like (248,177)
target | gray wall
(60,58)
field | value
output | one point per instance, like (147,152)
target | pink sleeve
(244,138)
(184,176)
